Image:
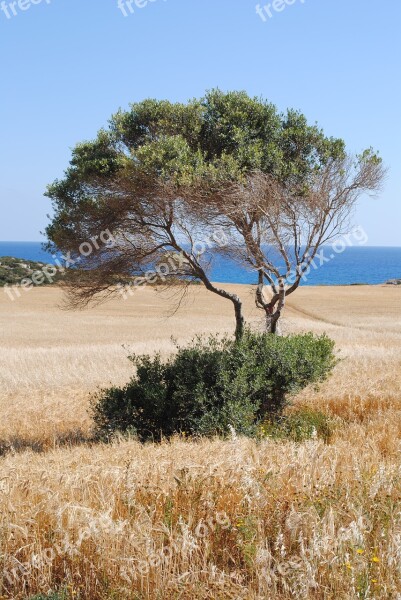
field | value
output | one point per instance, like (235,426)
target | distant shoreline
(356,265)
(24,273)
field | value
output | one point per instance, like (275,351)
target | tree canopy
(223,135)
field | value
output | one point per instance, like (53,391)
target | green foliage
(50,596)
(14,270)
(227,135)
(299,426)
(369,155)
(222,136)
(213,385)
(169,156)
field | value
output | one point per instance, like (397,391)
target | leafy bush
(213,385)
(299,426)
(50,596)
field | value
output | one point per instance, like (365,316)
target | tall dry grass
(207,519)
(212,519)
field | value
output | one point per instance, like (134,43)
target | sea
(354,265)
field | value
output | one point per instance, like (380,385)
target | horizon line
(43,242)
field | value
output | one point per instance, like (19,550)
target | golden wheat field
(207,519)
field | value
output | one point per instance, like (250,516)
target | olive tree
(140,180)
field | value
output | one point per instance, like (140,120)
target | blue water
(25,250)
(357,264)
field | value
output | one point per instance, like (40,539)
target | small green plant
(213,385)
(299,426)
(51,596)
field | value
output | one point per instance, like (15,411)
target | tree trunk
(273,312)
(239,319)
(201,274)
(273,308)
(273,324)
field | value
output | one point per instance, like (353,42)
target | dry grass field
(210,519)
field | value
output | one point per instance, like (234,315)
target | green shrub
(50,596)
(299,426)
(213,385)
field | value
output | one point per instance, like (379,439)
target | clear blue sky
(67,65)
